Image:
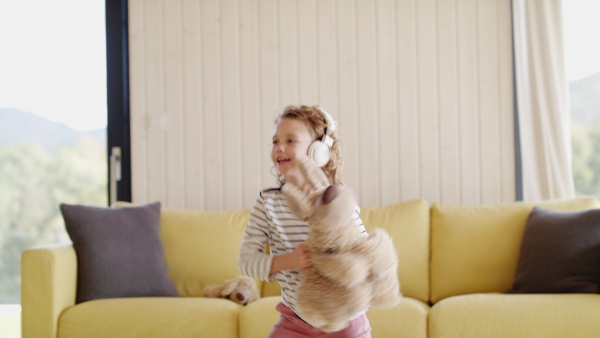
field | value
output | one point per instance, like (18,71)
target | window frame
(117,93)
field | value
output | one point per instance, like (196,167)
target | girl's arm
(253,261)
(298,259)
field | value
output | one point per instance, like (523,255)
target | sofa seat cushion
(407,319)
(500,315)
(151,317)
(257,318)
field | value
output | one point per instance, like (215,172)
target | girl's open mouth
(282,160)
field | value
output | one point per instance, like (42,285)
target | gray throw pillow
(119,251)
(560,253)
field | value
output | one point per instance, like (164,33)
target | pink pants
(291,326)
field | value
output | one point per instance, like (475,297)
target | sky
(52,56)
(53,60)
(581,21)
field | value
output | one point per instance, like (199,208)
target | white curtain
(542,100)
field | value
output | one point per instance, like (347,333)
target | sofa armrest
(48,287)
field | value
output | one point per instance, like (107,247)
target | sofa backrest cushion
(476,249)
(408,224)
(201,248)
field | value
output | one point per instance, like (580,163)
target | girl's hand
(297,259)
(302,257)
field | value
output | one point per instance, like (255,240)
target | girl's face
(291,138)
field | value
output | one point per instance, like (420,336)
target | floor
(10,320)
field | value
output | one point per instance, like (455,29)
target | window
(53,127)
(582,55)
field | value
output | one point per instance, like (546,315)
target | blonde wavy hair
(312,117)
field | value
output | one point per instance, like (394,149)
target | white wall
(421,89)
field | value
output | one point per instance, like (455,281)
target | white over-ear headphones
(319,149)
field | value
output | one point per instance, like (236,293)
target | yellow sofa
(456,263)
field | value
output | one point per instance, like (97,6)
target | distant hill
(585,100)
(17,126)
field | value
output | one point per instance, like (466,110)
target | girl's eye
(291,141)
(275,142)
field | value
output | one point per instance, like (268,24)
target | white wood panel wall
(421,89)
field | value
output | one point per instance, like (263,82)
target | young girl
(272,221)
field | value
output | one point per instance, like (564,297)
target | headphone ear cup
(319,153)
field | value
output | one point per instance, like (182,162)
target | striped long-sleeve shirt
(271,221)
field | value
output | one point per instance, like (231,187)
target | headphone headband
(331,123)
